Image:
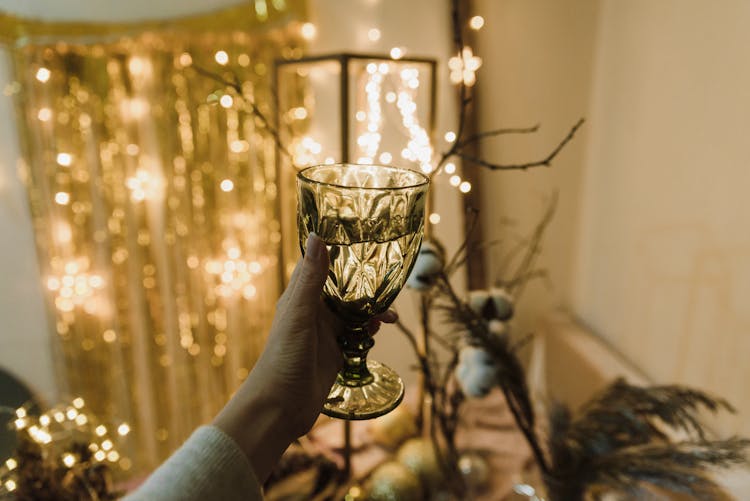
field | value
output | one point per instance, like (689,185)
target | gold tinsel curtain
(154,201)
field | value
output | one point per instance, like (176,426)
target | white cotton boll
(476,371)
(428,265)
(503,303)
(478,300)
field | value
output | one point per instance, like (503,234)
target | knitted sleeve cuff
(209,465)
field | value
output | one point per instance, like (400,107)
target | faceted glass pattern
(372,219)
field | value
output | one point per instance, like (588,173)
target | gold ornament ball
(392,429)
(474,469)
(418,454)
(393,481)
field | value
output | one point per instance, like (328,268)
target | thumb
(305,299)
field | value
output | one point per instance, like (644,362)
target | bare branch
(237,86)
(545,162)
(497,132)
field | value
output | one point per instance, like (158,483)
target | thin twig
(545,162)
(237,86)
(497,132)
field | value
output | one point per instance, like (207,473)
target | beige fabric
(209,465)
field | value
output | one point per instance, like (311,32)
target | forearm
(255,420)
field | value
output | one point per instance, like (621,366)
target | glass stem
(354,344)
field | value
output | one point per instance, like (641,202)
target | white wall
(651,245)
(663,265)
(24,342)
(537,66)
(342,26)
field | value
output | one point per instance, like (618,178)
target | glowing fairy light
(11,464)
(450,136)
(185,59)
(221,57)
(434,218)
(10,485)
(418,148)
(78,403)
(100,430)
(144,185)
(135,108)
(455,180)
(397,53)
(226,101)
(305,151)
(476,23)
(43,74)
(464,66)
(299,113)
(68,460)
(44,114)
(226,185)
(62,198)
(369,140)
(75,286)
(64,159)
(308,31)
(123,429)
(385,157)
(234,274)
(450,168)
(465,187)
(373,34)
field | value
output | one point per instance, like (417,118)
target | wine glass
(371,218)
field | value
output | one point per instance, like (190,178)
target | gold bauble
(474,470)
(393,481)
(419,455)
(392,429)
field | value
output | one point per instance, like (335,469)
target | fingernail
(390,316)
(314,246)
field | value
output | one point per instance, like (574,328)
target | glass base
(379,396)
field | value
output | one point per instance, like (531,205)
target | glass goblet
(371,219)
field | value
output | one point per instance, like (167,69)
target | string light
(221,57)
(476,23)
(454,180)
(434,218)
(62,198)
(308,31)
(123,429)
(419,148)
(373,34)
(397,53)
(43,74)
(226,185)
(44,114)
(465,187)
(185,59)
(450,168)
(144,185)
(450,136)
(226,101)
(464,66)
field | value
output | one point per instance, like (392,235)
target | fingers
(290,286)
(304,300)
(387,317)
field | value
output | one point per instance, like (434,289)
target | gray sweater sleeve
(209,465)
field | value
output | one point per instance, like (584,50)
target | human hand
(283,395)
